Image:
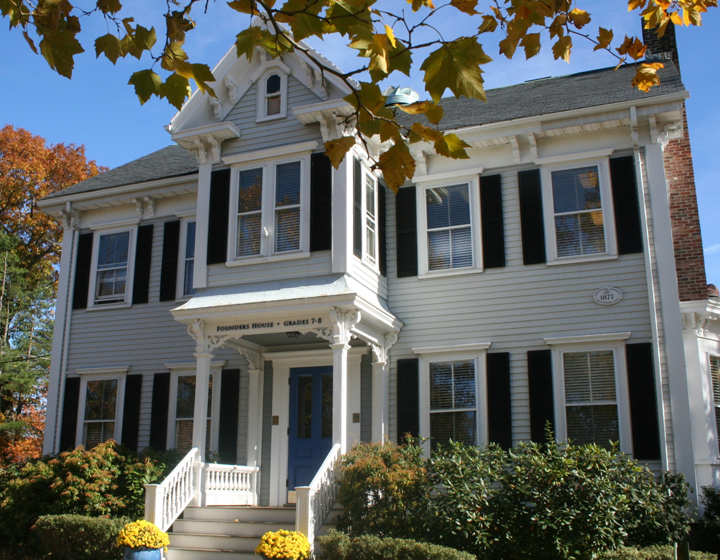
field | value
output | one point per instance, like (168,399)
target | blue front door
(311,416)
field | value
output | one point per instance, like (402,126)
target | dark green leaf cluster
(709,526)
(552,501)
(105,481)
(78,537)
(338,546)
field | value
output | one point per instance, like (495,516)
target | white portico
(319,322)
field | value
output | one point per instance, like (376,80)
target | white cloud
(712,250)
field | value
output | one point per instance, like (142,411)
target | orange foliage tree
(29,254)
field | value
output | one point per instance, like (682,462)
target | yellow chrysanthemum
(284,545)
(143,534)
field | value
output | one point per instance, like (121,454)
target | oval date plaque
(607,296)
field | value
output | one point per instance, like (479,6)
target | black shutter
(168,273)
(491,210)
(68,427)
(408,407)
(406,225)
(625,203)
(382,227)
(320,202)
(229,400)
(498,399)
(357,208)
(218,217)
(82,272)
(531,217)
(540,385)
(131,411)
(643,401)
(159,414)
(143,256)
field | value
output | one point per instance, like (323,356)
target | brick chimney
(684,217)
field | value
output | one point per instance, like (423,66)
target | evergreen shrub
(650,553)
(338,546)
(77,537)
(553,501)
(709,526)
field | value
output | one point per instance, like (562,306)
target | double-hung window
(271,211)
(449,227)
(577,202)
(112,267)
(272,85)
(189,260)
(452,394)
(102,392)
(365,214)
(591,390)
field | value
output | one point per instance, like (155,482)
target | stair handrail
(315,501)
(165,502)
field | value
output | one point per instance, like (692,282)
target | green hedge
(76,537)
(650,553)
(338,546)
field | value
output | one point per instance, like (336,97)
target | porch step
(225,533)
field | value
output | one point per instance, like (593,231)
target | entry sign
(282,324)
(607,296)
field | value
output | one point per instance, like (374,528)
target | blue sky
(99,110)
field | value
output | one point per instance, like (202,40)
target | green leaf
(144,38)
(109,6)
(147,83)
(247,40)
(456,66)
(244,7)
(176,90)
(202,74)
(58,48)
(451,146)
(110,46)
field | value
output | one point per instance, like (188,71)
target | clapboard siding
(243,416)
(514,308)
(369,278)
(268,134)
(317,264)
(144,337)
(366,398)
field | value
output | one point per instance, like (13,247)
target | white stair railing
(315,501)
(230,485)
(166,501)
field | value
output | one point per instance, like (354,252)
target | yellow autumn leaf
(604,39)
(531,44)
(390,35)
(397,165)
(336,149)
(635,4)
(646,76)
(562,48)
(579,18)
(465,6)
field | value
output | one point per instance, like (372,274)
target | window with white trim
(271,210)
(189,260)
(577,200)
(449,236)
(715,376)
(100,411)
(102,393)
(365,214)
(591,409)
(113,257)
(591,392)
(272,92)
(273,95)
(453,402)
(453,384)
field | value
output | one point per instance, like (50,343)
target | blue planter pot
(142,553)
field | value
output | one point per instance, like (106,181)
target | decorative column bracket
(205,344)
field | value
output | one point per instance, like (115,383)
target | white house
(235,294)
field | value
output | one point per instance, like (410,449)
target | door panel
(310,423)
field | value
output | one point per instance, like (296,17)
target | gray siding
(264,498)
(366,398)
(259,136)
(243,418)
(514,307)
(318,264)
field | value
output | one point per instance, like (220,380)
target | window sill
(99,306)
(272,258)
(449,272)
(581,260)
(271,118)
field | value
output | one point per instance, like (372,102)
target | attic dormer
(271,79)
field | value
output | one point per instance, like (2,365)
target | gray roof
(551,95)
(532,98)
(172,161)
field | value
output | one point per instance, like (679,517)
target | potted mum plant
(142,541)
(284,545)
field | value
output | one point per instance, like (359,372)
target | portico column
(340,383)
(254,417)
(202,382)
(381,387)
(342,324)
